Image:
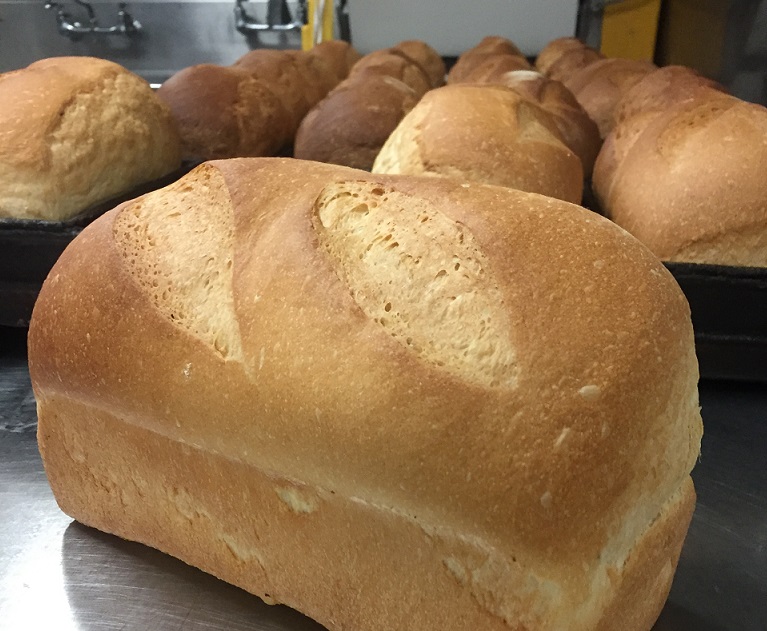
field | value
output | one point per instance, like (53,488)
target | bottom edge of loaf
(341,561)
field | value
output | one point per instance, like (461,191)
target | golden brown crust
(570,62)
(428,58)
(76,131)
(600,86)
(479,479)
(683,188)
(486,133)
(351,125)
(577,129)
(485,67)
(338,54)
(554,50)
(226,112)
(470,487)
(661,88)
(394,63)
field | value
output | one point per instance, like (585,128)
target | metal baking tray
(729,316)
(30,247)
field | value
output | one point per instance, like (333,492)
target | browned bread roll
(601,85)
(75,131)
(690,183)
(659,89)
(578,131)
(337,54)
(570,62)
(484,133)
(428,58)
(491,47)
(554,50)
(496,45)
(394,63)
(351,125)
(485,68)
(395,403)
(225,112)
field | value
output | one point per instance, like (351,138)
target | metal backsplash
(172,35)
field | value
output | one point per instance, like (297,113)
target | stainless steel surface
(75,30)
(57,574)
(278,17)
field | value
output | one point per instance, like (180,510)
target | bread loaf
(395,64)
(551,53)
(351,124)
(391,403)
(75,131)
(484,133)
(426,57)
(486,68)
(578,131)
(500,49)
(339,55)
(224,112)
(690,183)
(600,86)
(570,62)
(661,88)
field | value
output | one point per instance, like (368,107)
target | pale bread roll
(394,403)
(75,131)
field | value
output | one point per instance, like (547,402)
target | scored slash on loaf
(389,402)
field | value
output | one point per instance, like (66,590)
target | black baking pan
(30,247)
(729,317)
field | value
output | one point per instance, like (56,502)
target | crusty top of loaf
(428,58)
(554,50)
(77,130)
(691,184)
(486,133)
(489,363)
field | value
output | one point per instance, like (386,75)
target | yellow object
(319,26)
(630,28)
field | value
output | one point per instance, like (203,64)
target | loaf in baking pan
(75,131)
(485,133)
(689,183)
(391,403)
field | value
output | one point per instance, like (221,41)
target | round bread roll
(485,67)
(396,64)
(495,45)
(350,126)
(279,70)
(319,77)
(225,112)
(601,85)
(691,185)
(428,58)
(554,50)
(659,89)
(578,131)
(484,133)
(570,62)
(75,131)
(338,54)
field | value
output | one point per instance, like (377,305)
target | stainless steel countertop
(58,574)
